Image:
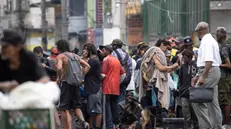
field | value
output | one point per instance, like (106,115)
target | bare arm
(227,64)
(208,65)
(59,69)
(85,65)
(163,68)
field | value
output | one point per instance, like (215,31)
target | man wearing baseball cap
(126,62)
(209,74)
(111,71)
(17,64)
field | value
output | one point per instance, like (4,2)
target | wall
(110,34)
(91,13)
(220,18)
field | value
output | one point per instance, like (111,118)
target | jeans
(111,109)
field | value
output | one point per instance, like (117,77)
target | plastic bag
(31,95)
(170,82)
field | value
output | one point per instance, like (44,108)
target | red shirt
(112,70)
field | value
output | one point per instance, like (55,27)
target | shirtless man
(70,95)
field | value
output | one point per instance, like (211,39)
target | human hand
(43,65)
(201,80)
(10,85)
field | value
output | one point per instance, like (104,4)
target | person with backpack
(70,76)
(224,85)
(126,63)
(92,86)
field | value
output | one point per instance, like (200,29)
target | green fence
(173,17)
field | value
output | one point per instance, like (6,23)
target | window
(77,7)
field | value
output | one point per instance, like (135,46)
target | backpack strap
(120,58)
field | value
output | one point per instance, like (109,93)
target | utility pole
(44,25)
(64,19)
(20,17)
(123,23)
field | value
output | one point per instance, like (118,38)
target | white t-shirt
(131,85)
(208,51)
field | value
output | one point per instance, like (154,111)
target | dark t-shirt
(29,69)
(92,81)
(224,52)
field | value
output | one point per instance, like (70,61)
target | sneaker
(226,127)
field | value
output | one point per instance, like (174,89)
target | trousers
(209,114)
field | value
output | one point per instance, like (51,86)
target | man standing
(126,63)
(92,85)
(209,61)
(18,65)
(70,94)
(224,85)
(111,70)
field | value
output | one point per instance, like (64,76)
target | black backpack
(125,65)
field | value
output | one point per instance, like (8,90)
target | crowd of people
(107,87)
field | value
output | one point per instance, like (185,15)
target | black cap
(11,37)
(118,42)
(107,47)
(188,40)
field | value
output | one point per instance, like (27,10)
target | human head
(105,50)
(63,46)
(76,50)
(117,43)
(38,51)
(139,46)
(221,34)
(89,49)
(54,52)
(179,42)
(202,29)
(143,48)
(12,43)
(188,43)
(187,56)
(164,45)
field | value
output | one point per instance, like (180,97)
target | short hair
(164,42)
(90,48)
(38,49)
(63,46)
(188,53)
(221,30)
(76,50)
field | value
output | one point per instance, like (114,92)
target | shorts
(94,105)
(70,97)
(224,90)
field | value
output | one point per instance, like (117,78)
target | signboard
(99,13)
(135,30)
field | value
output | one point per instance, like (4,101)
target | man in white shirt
(208,114)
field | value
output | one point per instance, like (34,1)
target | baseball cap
(188,40)
(202,25)
(118,42)
(107,47)
(178,39)
(11,37)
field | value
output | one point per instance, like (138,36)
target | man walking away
(224,85)
(209,61)
(111,70)
(92,85)
(126,62)
(67,64)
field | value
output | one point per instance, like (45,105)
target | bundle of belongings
(154,93)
